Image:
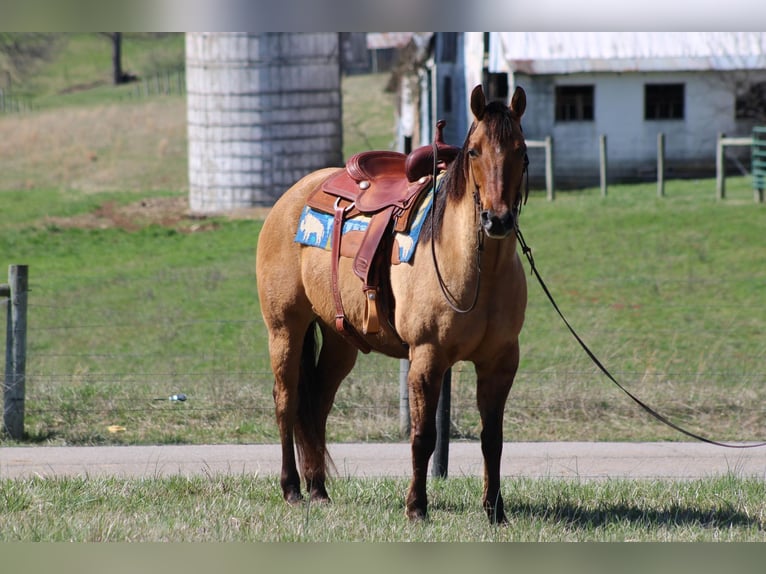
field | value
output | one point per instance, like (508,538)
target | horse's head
(496,154)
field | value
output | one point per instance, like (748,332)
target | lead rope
(528,252)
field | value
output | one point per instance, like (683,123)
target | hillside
(88,135)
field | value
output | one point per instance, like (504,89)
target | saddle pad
(315,228)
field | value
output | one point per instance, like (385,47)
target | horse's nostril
(497,225)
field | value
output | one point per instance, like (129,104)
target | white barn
(629,86)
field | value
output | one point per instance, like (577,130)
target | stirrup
(371,323)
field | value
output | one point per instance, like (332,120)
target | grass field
(126,310)
(80,73)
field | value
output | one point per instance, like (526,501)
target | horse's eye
(473,152)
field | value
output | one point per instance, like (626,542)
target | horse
(464,301)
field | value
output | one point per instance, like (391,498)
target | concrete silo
(263,110)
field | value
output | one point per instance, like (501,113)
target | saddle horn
(420,161)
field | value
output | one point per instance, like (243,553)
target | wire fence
(13,104)
(171,82)
(91,364)
(162,83)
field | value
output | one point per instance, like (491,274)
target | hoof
(500,520)
(293,497)
(497,516)
(417,515)
(320,498)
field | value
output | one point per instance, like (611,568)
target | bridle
(450,299)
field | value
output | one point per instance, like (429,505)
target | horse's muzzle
(497,226)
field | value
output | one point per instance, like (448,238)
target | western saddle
(384,186)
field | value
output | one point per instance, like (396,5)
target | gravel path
(570,460)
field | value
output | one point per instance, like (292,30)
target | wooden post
(547,146)
(660,164)
(5,291)
(720,176)
(404,399)
(441,453)
(549,168)
(16,352)
(602,163)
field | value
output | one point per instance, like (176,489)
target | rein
(449,297)
(528,252)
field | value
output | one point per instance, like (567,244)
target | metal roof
(578,52)
(381,40)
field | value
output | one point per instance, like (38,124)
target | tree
(118,76)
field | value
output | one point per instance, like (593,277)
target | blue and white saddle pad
(315,228)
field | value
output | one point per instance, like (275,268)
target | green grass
(368,114)
(667,292)
(248,509)
(125,308)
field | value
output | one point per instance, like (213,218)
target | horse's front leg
(494,380)
(424,381)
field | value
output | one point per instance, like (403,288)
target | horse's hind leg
(494,380)
(336,359)
(285,349)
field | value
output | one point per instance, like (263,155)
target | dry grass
(137,146)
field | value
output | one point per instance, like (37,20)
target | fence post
(441,452)
(549,167)
(660,164)
(5,291)
(720,177)
(404,399)
(602,163)
(440,460)
(16,352)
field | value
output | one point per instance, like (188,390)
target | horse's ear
(518,102)
(478,102)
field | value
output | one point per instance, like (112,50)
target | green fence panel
(759,157)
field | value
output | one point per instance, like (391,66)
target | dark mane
(499,125)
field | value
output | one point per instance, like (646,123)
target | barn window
(664,101)
(574,103)
(497,86)
(751,105)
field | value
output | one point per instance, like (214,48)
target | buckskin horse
(461,298)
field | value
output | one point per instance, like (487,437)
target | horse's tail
(309,426)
